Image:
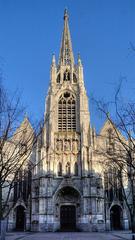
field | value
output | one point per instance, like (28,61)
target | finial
(65,14)
(53,60)
(79,60)
(108,114)
(25,115)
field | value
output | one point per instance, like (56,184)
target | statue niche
(75,146)
(59,145)
(67,145)
(66,75)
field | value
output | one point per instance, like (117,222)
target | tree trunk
(2,222)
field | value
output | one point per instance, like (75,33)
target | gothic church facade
(66,149)
(67,190)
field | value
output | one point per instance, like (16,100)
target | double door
(68,217)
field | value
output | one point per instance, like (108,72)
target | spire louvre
(66,54)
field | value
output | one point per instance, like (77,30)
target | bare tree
(118,151)
(17,140)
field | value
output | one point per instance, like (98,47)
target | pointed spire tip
(66,54)
(79,59)
(66,16)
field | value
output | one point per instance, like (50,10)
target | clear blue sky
(101,30)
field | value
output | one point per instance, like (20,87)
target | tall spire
(66,54)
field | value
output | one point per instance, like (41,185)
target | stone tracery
(67,112)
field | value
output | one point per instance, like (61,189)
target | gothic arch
(116,203)
(20,202)
(61,188)
(67,202)
(67,90)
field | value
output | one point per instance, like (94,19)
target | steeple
(66,54)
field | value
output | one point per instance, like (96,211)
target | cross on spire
(66,54)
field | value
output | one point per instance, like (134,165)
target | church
(68,188)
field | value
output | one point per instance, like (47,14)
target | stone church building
(67,189)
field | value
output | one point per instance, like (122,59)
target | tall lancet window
(67,112)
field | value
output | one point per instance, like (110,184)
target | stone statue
(67,145)
(75,146)
(59,145)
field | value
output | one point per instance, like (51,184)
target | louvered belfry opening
(67,112)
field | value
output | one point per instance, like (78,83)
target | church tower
(67,120)
(62,183)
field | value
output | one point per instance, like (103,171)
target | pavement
(113,235)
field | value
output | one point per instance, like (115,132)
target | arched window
(59,169)
(112,184)
(74,78)
(68,168)
(110,141)
(76,169)
(58,78)
(66,76)
(67,112)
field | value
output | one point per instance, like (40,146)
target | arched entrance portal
(116,217)
(20,218)
(67,202)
